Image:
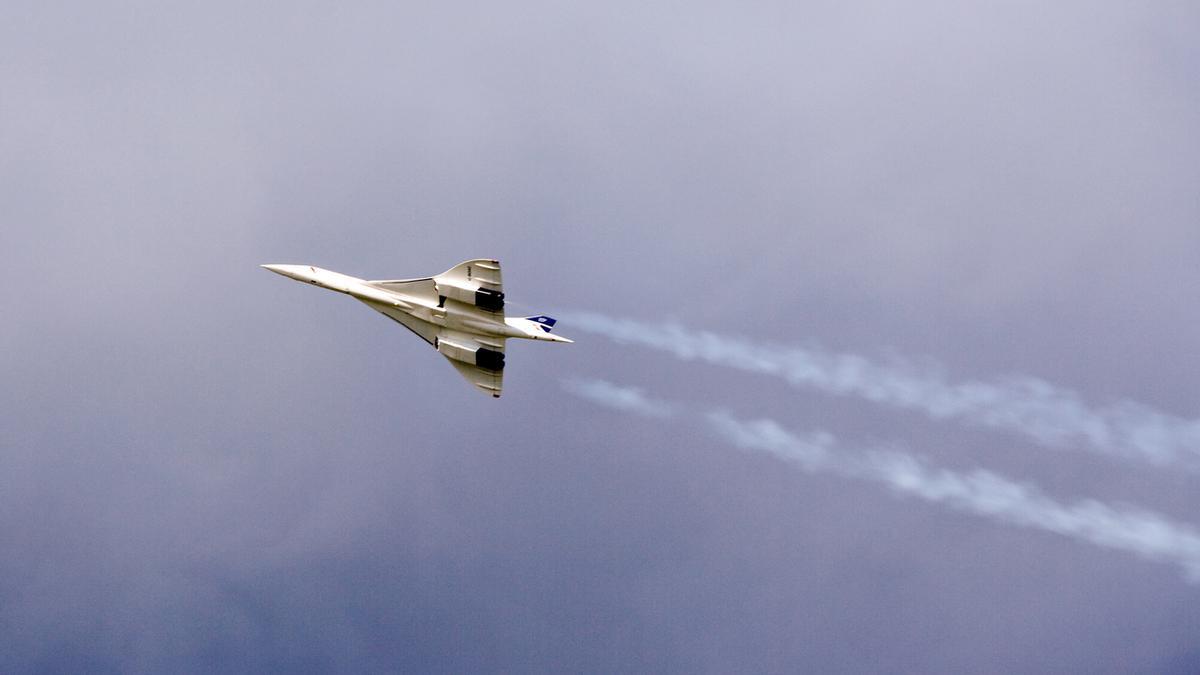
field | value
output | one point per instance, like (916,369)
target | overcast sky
(207,467)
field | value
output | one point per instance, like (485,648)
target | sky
(884,313)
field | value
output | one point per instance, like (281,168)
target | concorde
(460,312)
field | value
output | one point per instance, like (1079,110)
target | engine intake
(483,298)
(489,359)
(486,298)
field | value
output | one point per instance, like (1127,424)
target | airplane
(460,312)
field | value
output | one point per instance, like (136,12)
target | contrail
(1052,416)
(979,492)
(629,399)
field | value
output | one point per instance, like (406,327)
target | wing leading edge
(475,283)
(423,329)
(478,358)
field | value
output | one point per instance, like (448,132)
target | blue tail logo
(546,322)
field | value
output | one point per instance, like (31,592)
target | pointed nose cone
(297,272)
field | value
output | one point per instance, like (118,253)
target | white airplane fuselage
(445,315)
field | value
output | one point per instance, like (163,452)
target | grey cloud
(204,468)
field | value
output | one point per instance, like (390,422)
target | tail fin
(546,322)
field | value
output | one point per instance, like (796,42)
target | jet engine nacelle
(483,298)
(482,357)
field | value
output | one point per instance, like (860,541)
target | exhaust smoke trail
(629,399)
(978,492)
(1052,416)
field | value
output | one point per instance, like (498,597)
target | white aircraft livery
(460,312)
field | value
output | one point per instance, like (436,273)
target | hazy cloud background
(206,467)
